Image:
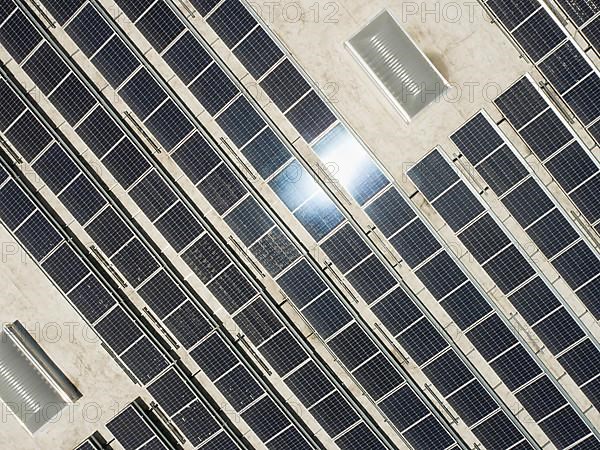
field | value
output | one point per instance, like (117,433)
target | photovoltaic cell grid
(140,268)
(527,291)
(585,16)
(532,206)
(141,260)
(567,159)
(136,89)
(556,54)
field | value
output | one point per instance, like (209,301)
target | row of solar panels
(351,333)
(585,16)
(155,5)
(136,266)
(546,42)
(70,270)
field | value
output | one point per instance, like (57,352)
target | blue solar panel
(79,30)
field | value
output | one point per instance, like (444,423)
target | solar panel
(169,125)
(326,314)
(466,306)
(239,387)
(153,195)
(232,289)
(528,202)
(509,269)
(390,212)
(582,361)
(179,57)
(240,121)
(231,21)
(160,25)
(309,384)
(578,264)
(586,199)
(118,330)
(333,415)
(498,432)
(179,226)
(491,337)
(558,331)
(220,441)
(28,136)
(539,34)
(79,30)
(187,324)
(432,175)
(534,300)
(38,235)
(285,85)
(214,356)
(91,298)
(552,233)
(428,433)
(222,189)
(441,275)
(196,158)
(109,231)
(144,360)
(18,36)
(162,294)
(515,14)
(592,32)
(115,61)
(396,311)
(546,134)
(565,67)
(135,262)
(283,352)
(196,423)
(205,258)
(293,185)
(520,104)
(371,279)
(266,153)
(82,199)
(275,251)
(516,367)
(415,243)
(472,402)
(130,429)
(257,52)
(378,377)
(578,10)
(484,238)
(502,169)
(249,231)
(265,418)
(422,341)
(289,439)
(213,89)
(345,248)
(584,98)
(311,116)
(56,168)
(204,6)
(142,93)
(359,436)
(258,322)
(72,99)
(99,131)
(564,427)
(447,372)
(319,215)
(458,206)
(571,166)
(13,106)
(65,268)
(352,346)
(45,68)
(476,139)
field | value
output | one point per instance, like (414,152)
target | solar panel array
(279,253)
(553,142)
(129,254)
(528,200)
(238,219)
(424,328)
(525,286)
(554,52)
